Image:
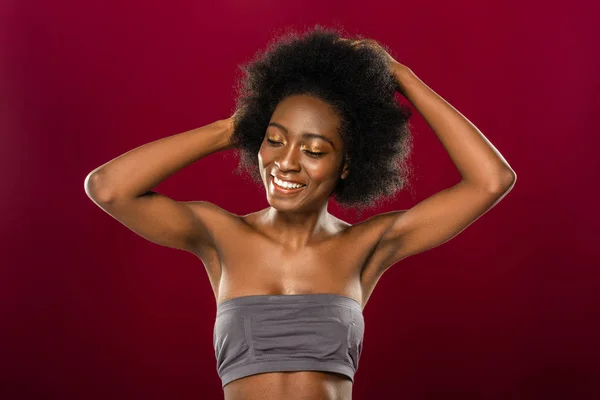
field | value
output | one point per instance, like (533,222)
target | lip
(281,190)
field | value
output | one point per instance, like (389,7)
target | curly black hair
(357,82)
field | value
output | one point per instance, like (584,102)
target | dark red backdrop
(89,310)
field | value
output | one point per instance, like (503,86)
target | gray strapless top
(297,332)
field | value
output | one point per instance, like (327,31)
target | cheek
(265,152)
(322,173)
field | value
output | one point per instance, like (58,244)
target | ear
(345,168)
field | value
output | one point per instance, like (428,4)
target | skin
(295,246)
(296,242)
(317,163)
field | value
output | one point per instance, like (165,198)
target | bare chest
(250,264)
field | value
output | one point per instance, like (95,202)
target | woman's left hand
(394,65)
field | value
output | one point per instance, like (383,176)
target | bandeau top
(296,332)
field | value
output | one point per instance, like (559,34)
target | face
(302,148)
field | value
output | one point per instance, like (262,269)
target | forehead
(303,113)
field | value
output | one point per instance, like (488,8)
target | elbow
(506,183)
(95,189)
(510,177)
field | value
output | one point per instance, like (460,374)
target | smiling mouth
(284,190)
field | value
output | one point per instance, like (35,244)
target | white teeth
(285,184)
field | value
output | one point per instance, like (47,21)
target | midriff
(295,385)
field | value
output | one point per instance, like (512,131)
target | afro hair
(357,82)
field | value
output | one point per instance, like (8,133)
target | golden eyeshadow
(314,150)
(278,139)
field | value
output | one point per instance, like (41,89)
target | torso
(249,262)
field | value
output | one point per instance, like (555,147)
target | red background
(509,309)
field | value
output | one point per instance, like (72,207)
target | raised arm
(123,188)
(486,178)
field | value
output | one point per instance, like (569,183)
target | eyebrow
(304,134)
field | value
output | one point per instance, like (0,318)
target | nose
(288,159)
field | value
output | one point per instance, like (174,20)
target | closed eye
(310,153)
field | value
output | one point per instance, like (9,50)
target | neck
(297,229)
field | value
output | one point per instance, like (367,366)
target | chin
(282,205)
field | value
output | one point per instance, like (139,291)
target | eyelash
(311,153)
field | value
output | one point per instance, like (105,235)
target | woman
(316,118)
